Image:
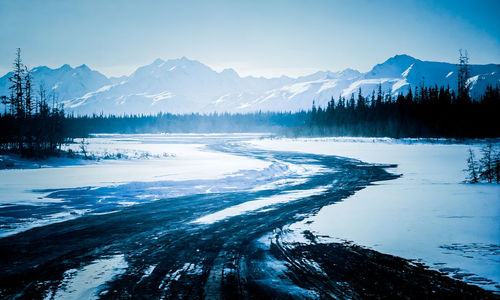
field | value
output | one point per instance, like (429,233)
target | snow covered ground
(155,158)
(156,167)
(86,282)
(428,215)
(167,157)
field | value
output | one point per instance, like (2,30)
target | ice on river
(88,281)
(259,204)
(187,159)
(157,167)
(428,214)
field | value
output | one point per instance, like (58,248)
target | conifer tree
(487,161)
(463,76)
(17,90)
(472,168)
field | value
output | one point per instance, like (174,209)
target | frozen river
(428,214)
(177,209)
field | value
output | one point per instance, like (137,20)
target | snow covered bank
(428,214)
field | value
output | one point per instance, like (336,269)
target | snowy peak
(184,66)
(350,74)
(183,85)
(393,67)
(158,62)
(83,67)
(229,73)
(65,82)
(65,68)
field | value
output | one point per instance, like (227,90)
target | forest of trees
(275,122)
(423,112)
(32,127)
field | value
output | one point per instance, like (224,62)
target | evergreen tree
(487,163)
(380,96)
(361,100)
(28,99)
(463,76)
(472,168)
(16,88)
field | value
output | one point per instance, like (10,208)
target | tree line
(262,122)
(423,112)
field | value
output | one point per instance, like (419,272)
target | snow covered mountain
(65,82)
(185,86)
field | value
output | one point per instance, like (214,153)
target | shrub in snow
(472,168)
(488,167)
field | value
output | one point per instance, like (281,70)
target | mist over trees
(261,122)
(423,112)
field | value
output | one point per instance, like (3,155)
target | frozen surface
(150,167)
(186,159)
(87,282)
(156,166)
(259,203)
(428,214)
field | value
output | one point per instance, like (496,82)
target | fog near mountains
(185,86)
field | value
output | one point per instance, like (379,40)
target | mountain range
(184,86)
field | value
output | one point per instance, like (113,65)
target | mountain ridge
(183,85)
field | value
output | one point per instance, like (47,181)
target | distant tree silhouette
(463,76)
(431,112)
(16,89)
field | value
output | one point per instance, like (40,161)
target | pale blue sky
(254,37)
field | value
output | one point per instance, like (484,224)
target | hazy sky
(266,38)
